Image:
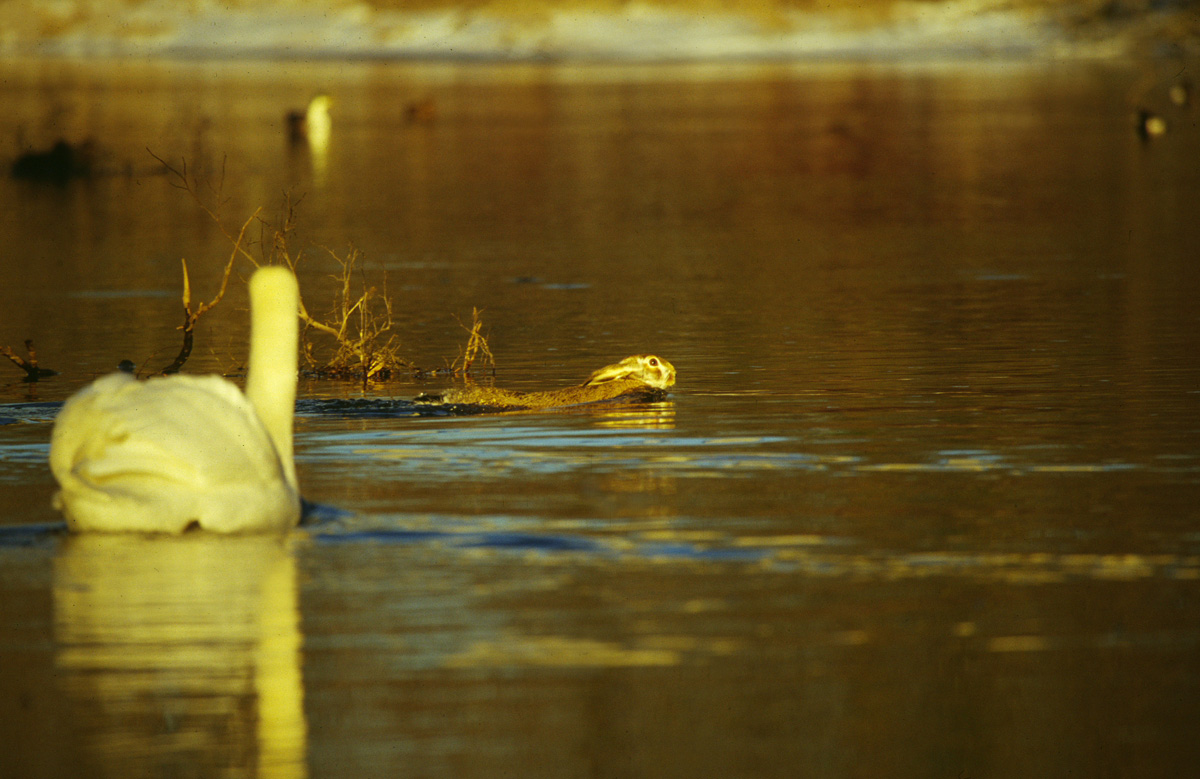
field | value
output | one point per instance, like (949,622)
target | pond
(925,500)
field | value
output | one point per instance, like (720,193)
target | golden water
(923,501)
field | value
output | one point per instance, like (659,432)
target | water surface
(923,503)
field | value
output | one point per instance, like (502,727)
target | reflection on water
(182,655)
(316,131)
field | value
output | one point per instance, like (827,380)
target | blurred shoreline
(595,30)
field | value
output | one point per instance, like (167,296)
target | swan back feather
(170,452)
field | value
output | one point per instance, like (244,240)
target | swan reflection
(183,654)
(315,126)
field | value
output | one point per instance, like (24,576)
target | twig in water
(476,345)
(30,366)
(191,317)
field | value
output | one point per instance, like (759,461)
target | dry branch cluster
(476,347)
(357,331)
(359,342)
(360,321)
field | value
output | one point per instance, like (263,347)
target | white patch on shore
(637,31)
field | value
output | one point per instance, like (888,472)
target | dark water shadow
(357,408)
(391,408)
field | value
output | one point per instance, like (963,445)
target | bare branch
(476,345)
(191,317)
(30,366)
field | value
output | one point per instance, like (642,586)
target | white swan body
(176,451)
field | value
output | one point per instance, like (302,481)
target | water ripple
(802,555)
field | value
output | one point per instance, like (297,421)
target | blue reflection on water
(32,534)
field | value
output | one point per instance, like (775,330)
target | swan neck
(271,377)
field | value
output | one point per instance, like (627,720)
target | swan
(176,451)
(314,123)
